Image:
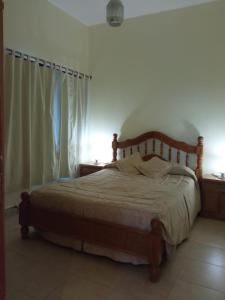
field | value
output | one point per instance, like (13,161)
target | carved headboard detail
(141,142)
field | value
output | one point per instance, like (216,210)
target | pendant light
(115,13)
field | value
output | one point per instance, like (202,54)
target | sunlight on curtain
(74,95)
(57,112)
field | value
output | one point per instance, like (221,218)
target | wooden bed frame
(141,243)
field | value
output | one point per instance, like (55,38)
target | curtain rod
(48,64)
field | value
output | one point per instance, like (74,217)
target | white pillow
(128,165)
(177,169)
(154,167)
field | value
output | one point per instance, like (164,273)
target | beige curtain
(29,148)
(45,125)
(74,97)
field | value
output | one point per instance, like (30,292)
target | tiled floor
(38,270)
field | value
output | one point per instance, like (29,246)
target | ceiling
(92,12)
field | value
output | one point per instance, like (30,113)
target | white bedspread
(132,200)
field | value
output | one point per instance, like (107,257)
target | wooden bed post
(199,157)
(156,249)
(114,146)
(24,215)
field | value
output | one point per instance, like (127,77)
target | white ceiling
(91,12)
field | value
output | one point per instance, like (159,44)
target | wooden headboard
(147,144)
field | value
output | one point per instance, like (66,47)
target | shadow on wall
(143,120)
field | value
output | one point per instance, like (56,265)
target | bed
(107,211)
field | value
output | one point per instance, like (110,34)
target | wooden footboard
(146,244)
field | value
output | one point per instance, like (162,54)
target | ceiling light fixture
(115,13)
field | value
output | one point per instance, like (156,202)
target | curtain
(45,121)
(74,97)
(30,150)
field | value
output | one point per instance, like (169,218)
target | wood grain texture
(2,260)
(178,146)
(159,136)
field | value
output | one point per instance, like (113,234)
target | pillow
(128,165)
(154,168)
(177,169)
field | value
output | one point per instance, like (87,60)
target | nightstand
(89,168)
(213,197)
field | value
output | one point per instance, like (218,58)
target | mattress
(132,200)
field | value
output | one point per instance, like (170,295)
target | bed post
(199,156)
(156,249)
(24,215)
(114,147)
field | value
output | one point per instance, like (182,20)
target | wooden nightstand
(213,197)
(89,168)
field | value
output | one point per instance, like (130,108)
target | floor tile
(79,288)
(209,232)
(186,291)
(98,269)
(203,274)
(40,270)
(136,280)
(202,252)
(18,295)
(30,277)
(138,295)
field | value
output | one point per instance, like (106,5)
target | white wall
(37,27)
(161,72)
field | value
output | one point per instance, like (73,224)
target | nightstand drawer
(210,202)
(213,198)
(222,203)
